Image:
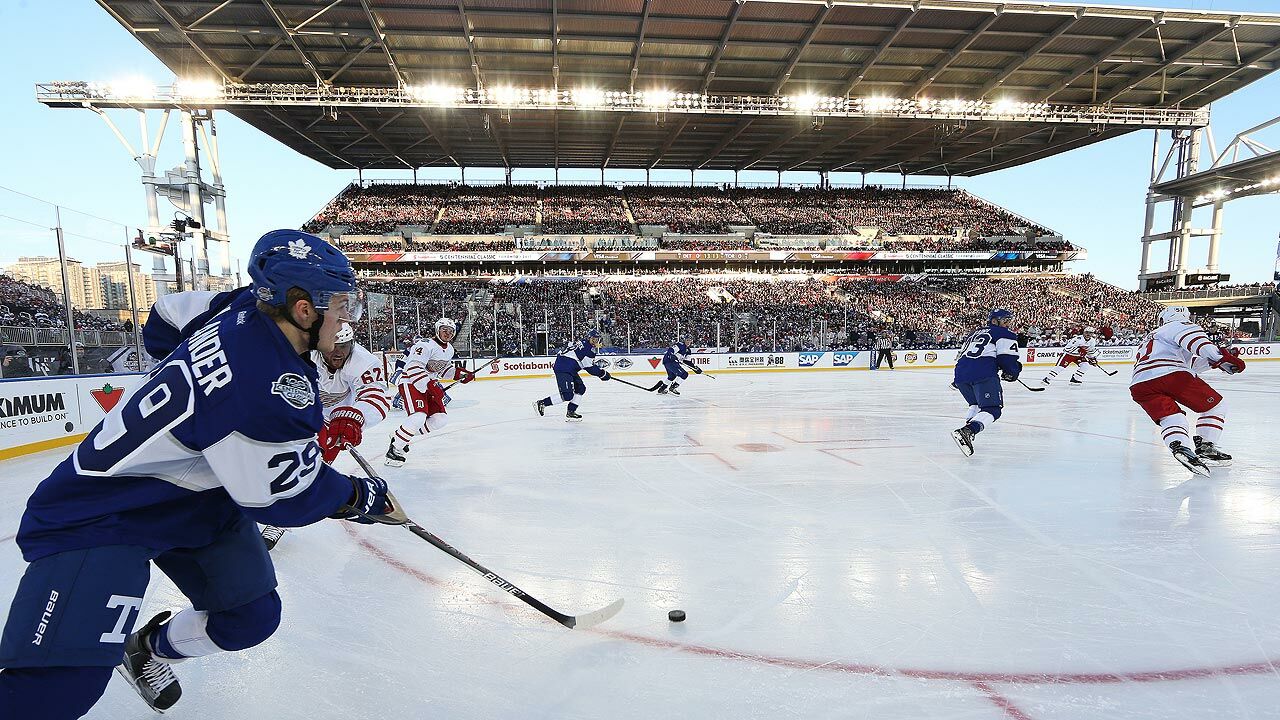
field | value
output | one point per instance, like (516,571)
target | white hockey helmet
(1175,313)
(447,323)
(345,334)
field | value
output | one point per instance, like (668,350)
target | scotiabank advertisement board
(43,413)
(819,360)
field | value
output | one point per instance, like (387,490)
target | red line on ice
(1263,667)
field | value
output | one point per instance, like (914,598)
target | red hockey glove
(345,429)
(465,376)
(1231,362)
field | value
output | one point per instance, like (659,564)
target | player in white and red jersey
(1080,350)
(354,399)
(426,364)
(1165,379)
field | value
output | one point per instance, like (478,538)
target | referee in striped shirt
(884,349)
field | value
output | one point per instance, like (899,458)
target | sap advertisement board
(42,413)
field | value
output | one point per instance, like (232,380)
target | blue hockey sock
(975,427)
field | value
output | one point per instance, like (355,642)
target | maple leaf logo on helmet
(299,249)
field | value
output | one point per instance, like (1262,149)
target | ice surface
(836,554)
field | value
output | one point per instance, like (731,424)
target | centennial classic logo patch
(294,389)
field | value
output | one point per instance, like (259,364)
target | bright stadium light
(1004,106)
(505,95)
(878,103)
(435,94)
(588,97)
(657,98)
(804,103)
(199,89)
(131,87)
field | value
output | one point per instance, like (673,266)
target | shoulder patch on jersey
(242,316)
(294,389)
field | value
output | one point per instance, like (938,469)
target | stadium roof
(1032,52)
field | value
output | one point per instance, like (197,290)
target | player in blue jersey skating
(220,434)
(987,357)
(673,361)
(578,357)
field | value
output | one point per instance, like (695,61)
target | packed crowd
(750,313)
(591,210)
(372,246)
(378,209)
(25,305)
(488,210)
(584,211)
(687,211)
(454,244)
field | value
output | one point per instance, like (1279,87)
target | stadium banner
(44,413)
(818,360)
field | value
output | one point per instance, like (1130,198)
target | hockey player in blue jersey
(673,361)
(578,357)
(987,357)
(222,433)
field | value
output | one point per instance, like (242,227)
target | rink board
(506,368)
(39,414)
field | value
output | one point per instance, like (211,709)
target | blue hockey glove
(604,375)
(369,496)
(1008,376)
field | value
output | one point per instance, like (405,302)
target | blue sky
(1094,195)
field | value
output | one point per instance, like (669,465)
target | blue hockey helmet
(595,338)
(286,259)
(999,314)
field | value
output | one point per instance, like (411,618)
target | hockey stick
(398,517)
(1104,370)
(624,382)
(1032,389)
(473,372)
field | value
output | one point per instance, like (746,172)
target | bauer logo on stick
(294,389)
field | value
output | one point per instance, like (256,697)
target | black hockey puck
(676,616)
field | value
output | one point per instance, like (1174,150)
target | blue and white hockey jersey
(577,357)
(676,354)
(225,425)
(174,317)
(987,352)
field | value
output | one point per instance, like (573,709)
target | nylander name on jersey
(577,357)
(986,353)
(225,426)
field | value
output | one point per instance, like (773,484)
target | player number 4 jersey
(427,361)
(1174,347)
(987,352)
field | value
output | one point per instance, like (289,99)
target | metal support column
(66,291)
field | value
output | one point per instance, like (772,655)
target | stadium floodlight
(588,97)
(435,94)
(1004,106)
(657,98)
(878,103)
(505,95)
(131,87)
(804,103)
(199,89)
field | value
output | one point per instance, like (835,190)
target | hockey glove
(696,370)
(345,429)
(1231,362)
(604,375)
(1008,376)
(465,376)
(369,496)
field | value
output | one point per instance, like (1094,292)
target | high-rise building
(114,282)
(103,286)
(47,272)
